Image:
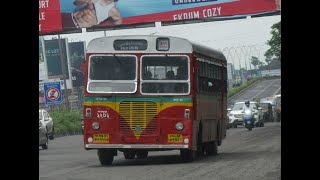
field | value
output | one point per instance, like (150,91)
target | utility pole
(239,56)
(63,67)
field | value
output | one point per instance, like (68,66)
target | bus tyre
(262,124)
(188,155)
(105,156)
(212,148)
(142,154)
(129,154)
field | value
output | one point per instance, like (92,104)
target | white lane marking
(263,89)
(277,91)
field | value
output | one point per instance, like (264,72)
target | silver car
(43,135)
(47,121)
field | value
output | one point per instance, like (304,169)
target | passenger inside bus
(170,87)
(148,87)
(170,75)
(147,75)
(181,73)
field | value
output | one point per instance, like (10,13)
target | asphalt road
(261,89)
(243,154)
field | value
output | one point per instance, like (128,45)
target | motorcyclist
(247,106)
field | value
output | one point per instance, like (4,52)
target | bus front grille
(138,117)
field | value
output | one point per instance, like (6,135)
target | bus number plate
(174,138)
(101,138)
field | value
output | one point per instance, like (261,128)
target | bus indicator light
(187,113)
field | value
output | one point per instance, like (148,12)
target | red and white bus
(151,93)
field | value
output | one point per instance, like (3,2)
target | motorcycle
(248,119)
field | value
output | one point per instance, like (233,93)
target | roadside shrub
(236,90)
(66,121)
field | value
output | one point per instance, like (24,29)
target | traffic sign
(53,93)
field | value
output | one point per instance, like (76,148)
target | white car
(43,136)
(47,122)
(235,114)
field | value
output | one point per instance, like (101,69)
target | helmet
(247,103)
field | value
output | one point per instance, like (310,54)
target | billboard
(77,14)
(53,58)
(42,66)
(49,16)
(53,61)
(77,53)
(77,56)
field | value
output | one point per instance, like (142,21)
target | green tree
(275,42)
(254,61)
(268,56)
(260,64)
(272,62)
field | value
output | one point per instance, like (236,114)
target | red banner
(49,16)
(243,7)
(69,15)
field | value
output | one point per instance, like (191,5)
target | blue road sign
(52,92)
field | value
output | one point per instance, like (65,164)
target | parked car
(47,121)
(235,114)
(43,136)
(278,107)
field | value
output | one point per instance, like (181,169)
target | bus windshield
(164,74)
(112,73)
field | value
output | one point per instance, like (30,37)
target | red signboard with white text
(49,16)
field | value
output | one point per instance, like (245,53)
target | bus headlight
(95,125)
(179,126)
(90,140)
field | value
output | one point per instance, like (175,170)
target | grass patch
(66,121)
(236,90)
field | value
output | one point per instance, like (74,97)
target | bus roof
(105,45)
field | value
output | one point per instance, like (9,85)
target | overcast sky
(238,39)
